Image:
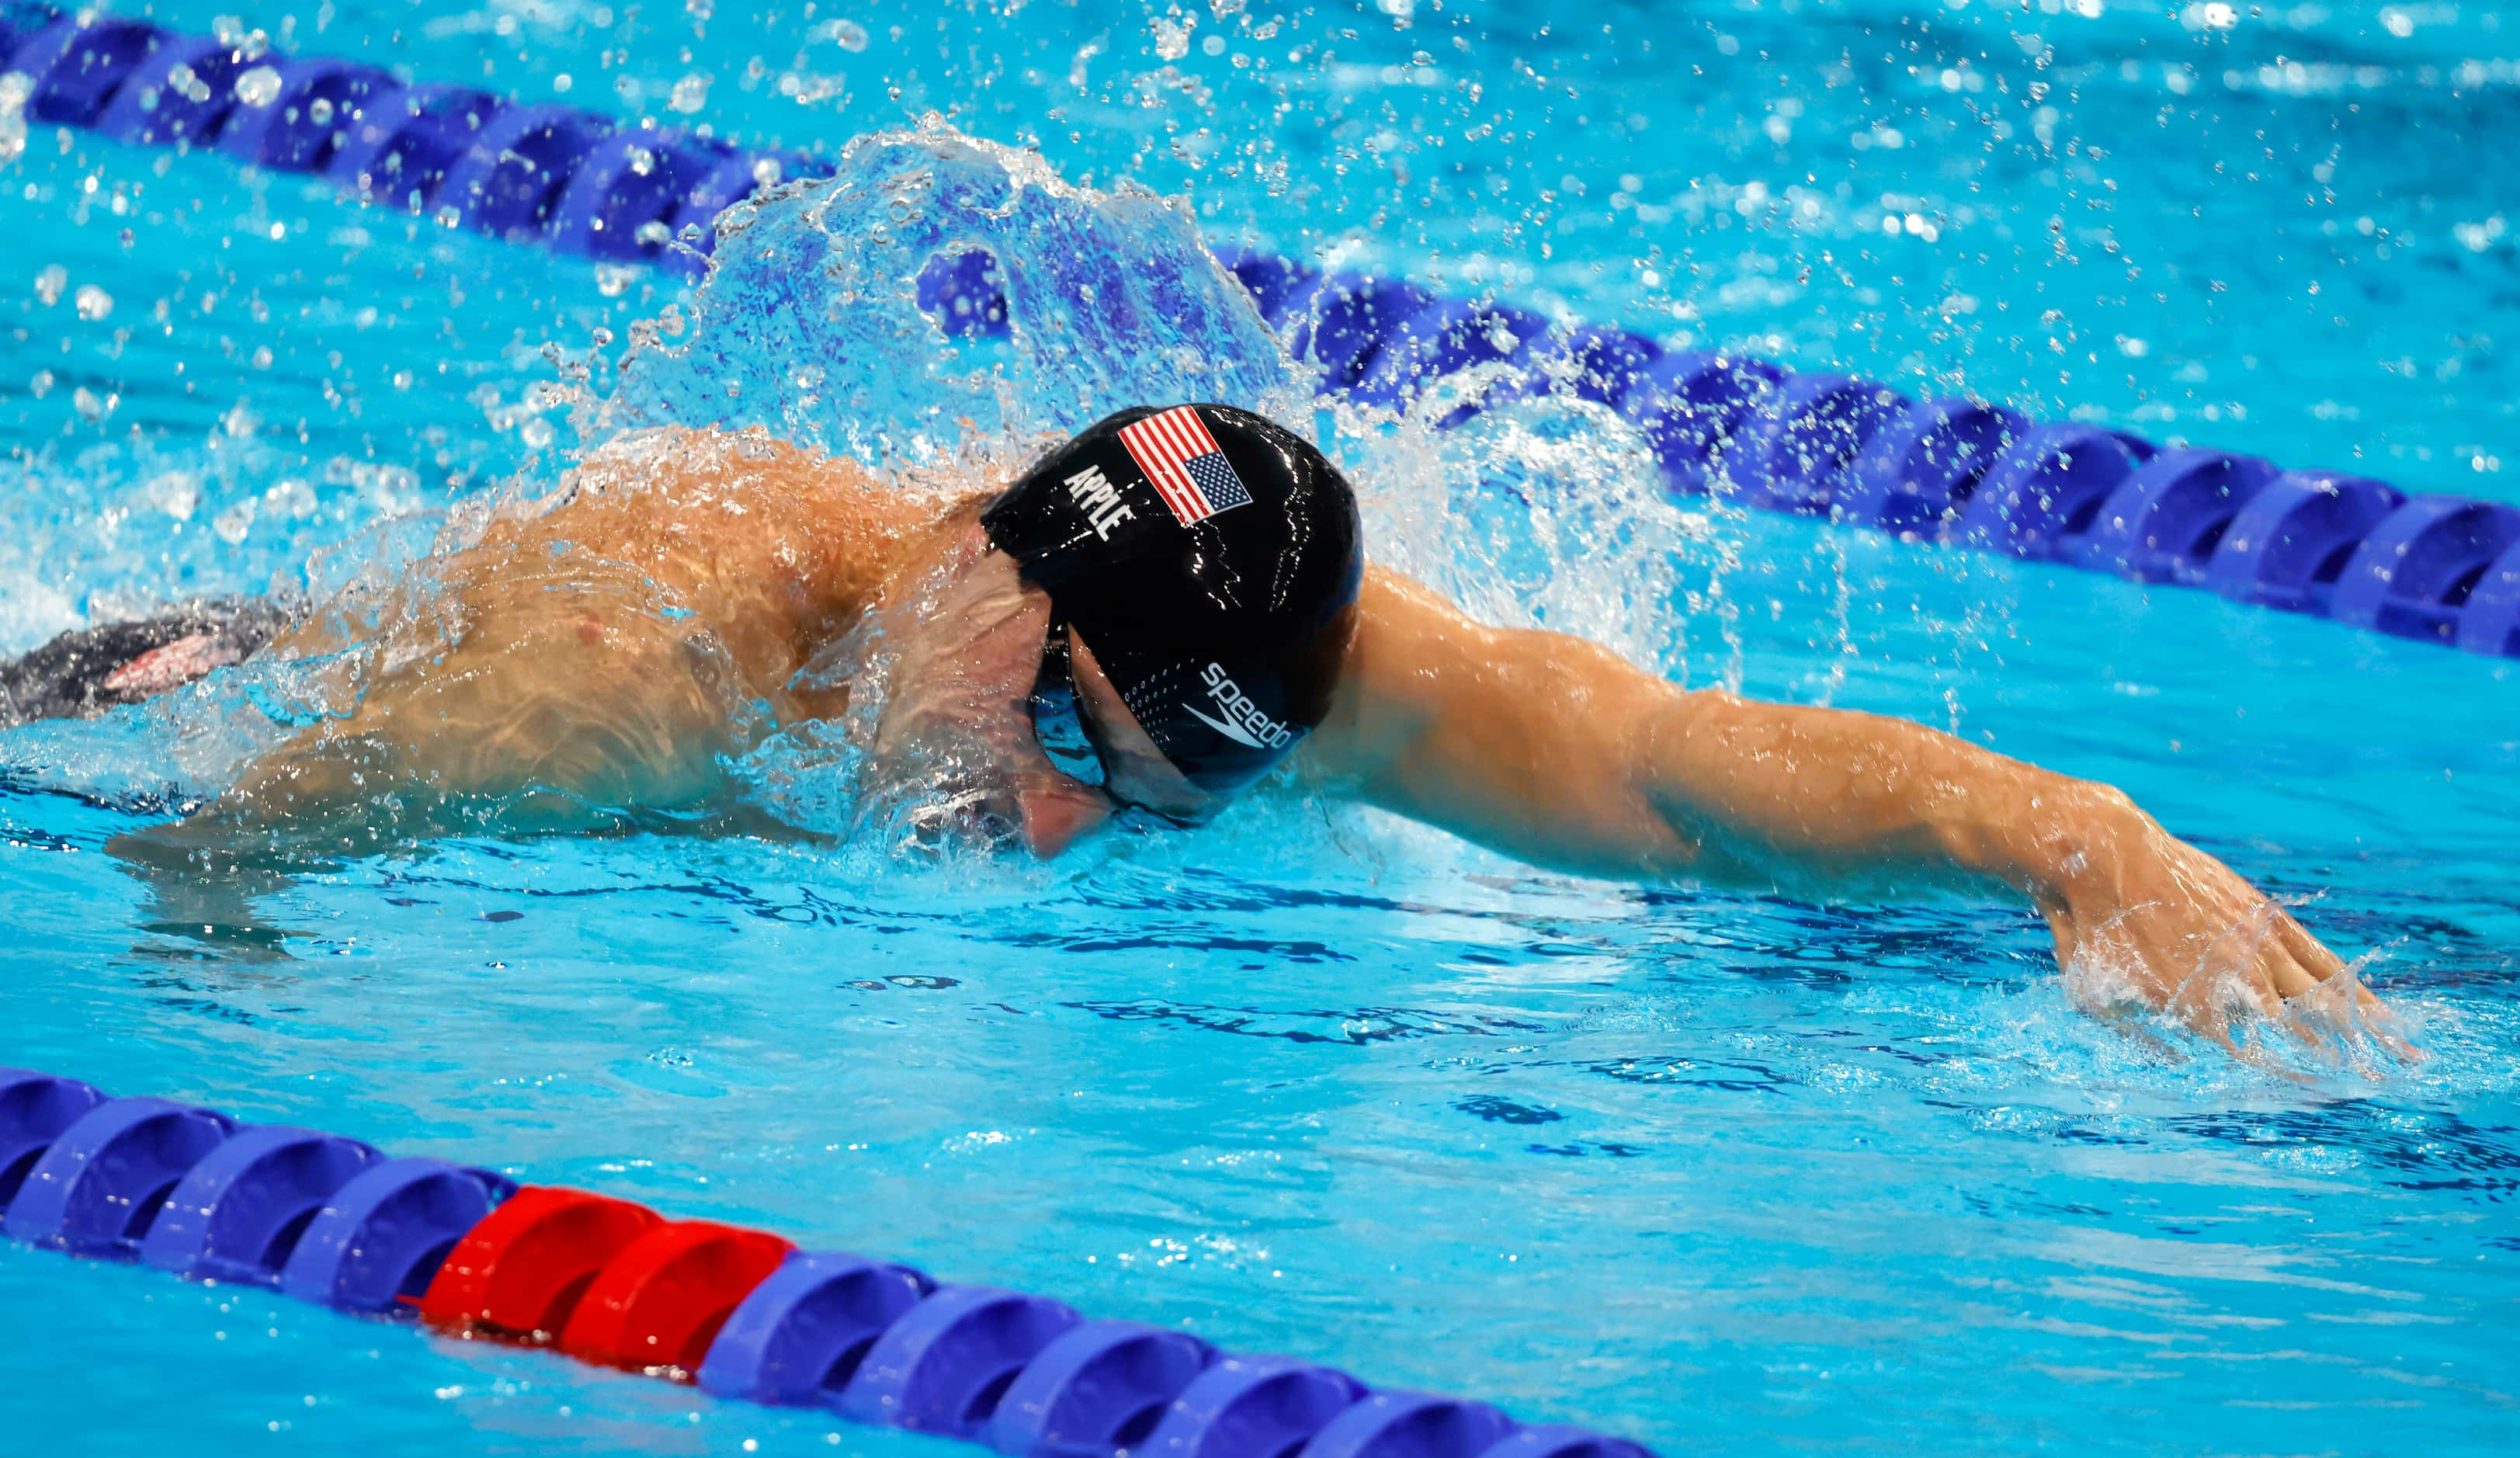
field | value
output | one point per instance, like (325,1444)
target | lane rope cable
(743,1314)
(2439,568)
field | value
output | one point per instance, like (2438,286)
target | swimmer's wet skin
(1154,617)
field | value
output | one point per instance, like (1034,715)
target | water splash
(810,321)
(1539,510)
(1544,510)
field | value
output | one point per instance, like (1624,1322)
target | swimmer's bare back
(600,657)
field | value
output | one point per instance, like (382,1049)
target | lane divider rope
(743,1314)
(2438,568)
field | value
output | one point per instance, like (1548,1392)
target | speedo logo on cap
(1245,722)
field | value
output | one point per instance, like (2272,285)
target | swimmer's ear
(1057,812)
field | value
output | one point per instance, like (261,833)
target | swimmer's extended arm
(1559,751)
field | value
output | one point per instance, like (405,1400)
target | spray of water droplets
(1537,509)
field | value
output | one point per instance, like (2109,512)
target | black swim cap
(1207,557)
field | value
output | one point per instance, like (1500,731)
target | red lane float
(661,1302)
(518,1275)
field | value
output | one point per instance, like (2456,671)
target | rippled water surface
(1717,1171)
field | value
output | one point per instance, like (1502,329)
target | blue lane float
(801,1335)
(240,1211)
(1253,1405)
(34,1110)
(2415,572)
(1095,1389)
(380,1237)
(96,1189)
(743,1314)
(1841,448)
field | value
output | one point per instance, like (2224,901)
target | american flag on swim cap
(1183,460)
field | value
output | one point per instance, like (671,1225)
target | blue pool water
(1714,1171)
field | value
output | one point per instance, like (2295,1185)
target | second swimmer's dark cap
(1207,557)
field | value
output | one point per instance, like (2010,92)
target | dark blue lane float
(743,1314)
(1836,448)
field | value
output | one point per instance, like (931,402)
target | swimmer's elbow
(1671,778)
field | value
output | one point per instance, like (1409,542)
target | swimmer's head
(1205,560)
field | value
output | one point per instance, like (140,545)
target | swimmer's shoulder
(741,495)
(680,460)
(701,478)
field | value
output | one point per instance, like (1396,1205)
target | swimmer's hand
(1557,751)
(954,741)
(2136,910)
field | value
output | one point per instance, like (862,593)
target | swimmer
(1144,625)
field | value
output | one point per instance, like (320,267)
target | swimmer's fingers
(2382,1023)
(2242,973)
(2277,962)
(2209,1015)
(2336,980)
(2294,975)
(2203,947)
(2216,1006)
(2346,1025)
(2311,953)
(2277,980)
(2342,1008)
(2327,968)
(2321,1003)
(1058,812)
